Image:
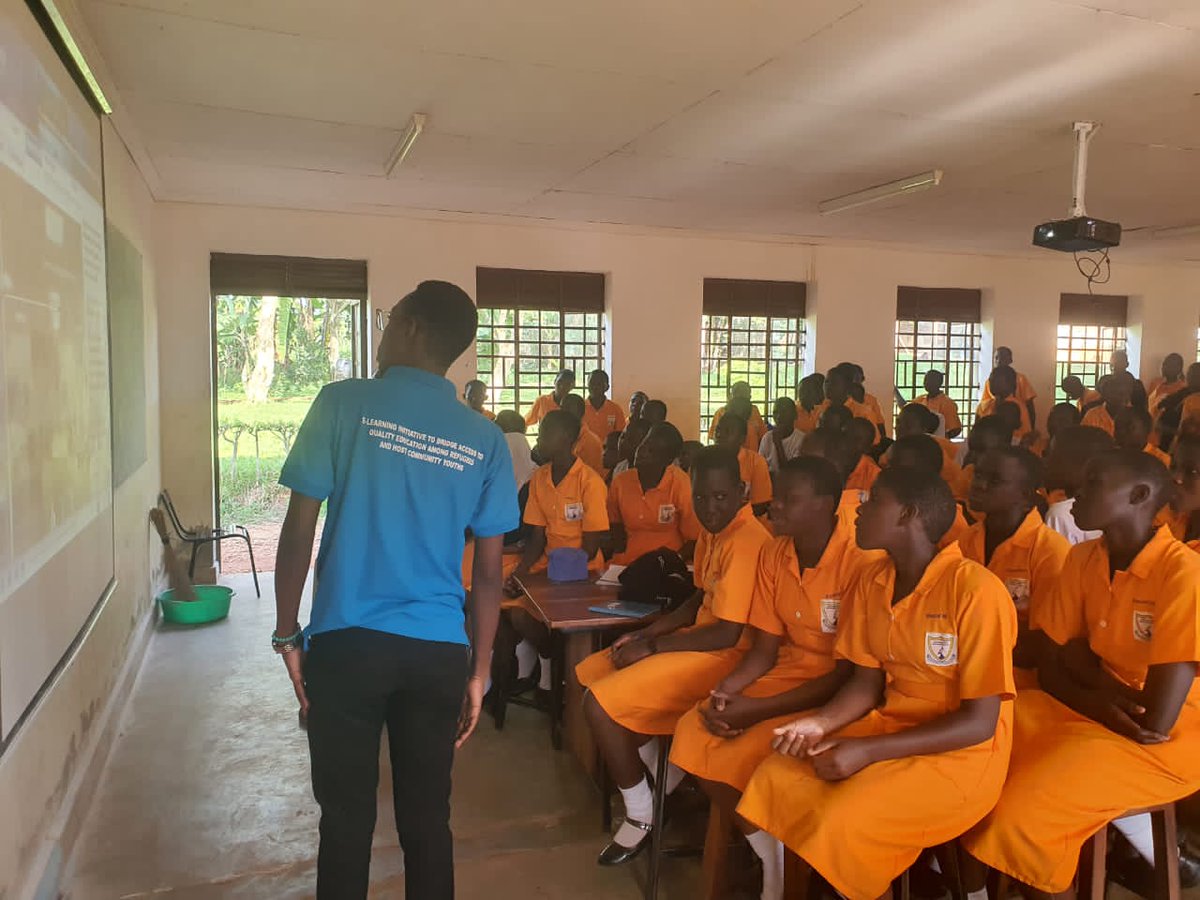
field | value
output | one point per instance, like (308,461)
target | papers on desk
(611,576)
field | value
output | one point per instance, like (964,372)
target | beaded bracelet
(289,643)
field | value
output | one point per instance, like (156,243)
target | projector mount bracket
(1084,132)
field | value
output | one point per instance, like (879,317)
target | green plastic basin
(210,605)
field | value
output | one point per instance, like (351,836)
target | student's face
(909,422)
(551,441)
(476,394)
(717,497)
(795,508)
(637,400)
(728,436)
(1185,470)
(878,520)
(1172,367)
(564,384)
(784,415)
(998,485)
(933,382)
(1130,433)
(597,384)
(1105,495)
(1003,357)
(651,453)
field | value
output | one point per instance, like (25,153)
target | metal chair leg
(1166,853)
(660,804)
(253,570)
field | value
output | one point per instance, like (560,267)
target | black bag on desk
(659,577)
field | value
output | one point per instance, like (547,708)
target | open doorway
(271,357)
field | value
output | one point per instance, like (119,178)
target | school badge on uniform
(1143,626)
(612,421)
(830,607)
(573,512)
(666,514)
(1018,589)
(941,649)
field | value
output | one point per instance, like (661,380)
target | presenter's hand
(472,704)
(294,662)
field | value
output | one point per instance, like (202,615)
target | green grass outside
(252,494)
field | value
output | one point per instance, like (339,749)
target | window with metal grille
(1090,329)
(938,328)
(533,324)
(752,331)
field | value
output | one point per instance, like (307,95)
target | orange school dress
(542,405)
(660,517)
(987,407)
(1070,776)
(1159,391)
(566,510)
(944,407)
(801,606)
(864,475)
(1024,394)
(847,510)
(807,421)
(755,428)
(756,475)
(951,639)
(1098,417)
(650,696)
(590,449)
(603,421)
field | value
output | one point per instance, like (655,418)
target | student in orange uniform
(916,418)
(837,393)
(756,478)
(783,441)
(1003,386)
(601,415)
(1084,398)
(810,396)
(1133,429)
(1116,725)
(1061,416)
(564,383)
(612,454)
(858,392)
(588,448)
(939,404)
(650,505)
(1116,391)
(474,395)
(988,433)
(637,402)
(1013,542)
(1069,455)
(839,418)
(920,451)
(840,449)
(688,453)
(1024,394)
(1170,382)
(789,668)
(1185,469)
(1189,399)
(640,687)
(912,750)
(1118,364)
(862,433)
(756,427)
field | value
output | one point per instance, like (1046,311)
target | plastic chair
(198,539)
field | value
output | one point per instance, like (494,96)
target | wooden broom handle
(160,525)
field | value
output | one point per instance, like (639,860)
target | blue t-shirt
(406,469)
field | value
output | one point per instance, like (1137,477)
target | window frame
(1099,319)
(951,310)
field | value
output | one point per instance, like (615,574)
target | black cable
(1097,270)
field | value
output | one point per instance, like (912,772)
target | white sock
(526,656)
(980,894)
(639,806)
(770,851)
(1138,831)
(544,680)
(649,754)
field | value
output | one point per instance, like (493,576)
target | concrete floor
(207,793)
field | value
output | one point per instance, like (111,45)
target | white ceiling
(724,116)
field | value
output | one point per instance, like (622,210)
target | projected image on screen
(55,473)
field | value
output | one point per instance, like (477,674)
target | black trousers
(357,681)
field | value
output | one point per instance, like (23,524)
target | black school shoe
(616,855)
(1135,874)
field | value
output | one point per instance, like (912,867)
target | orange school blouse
(603,421)
(987,407)
(945,407)
(660,517)
(542,405)
(755,428)
(864,475)
(576,504)
(1029,563)
(590,449)
(726,565)
(1024,394)
(1098,417)
(756,476)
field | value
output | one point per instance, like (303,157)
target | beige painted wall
(654,290)
(37,770)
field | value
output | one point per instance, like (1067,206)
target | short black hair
(927,417)
(1186,443)
(1140,467)
(1063,408)
(446,317)
(993,426)
(510,421)
(563,373)
(1007,373)
(839,449)
(560,418)
(470,384)
(1138,414)
(925,492)
(575,402)
(787,402)
(925,451)
(639,424)
(669,435)
(862,429)
(1031,467)
(1010,411)
(740,406)
(733,420)
(597,372)
(1083,442)
(839,415)
(654,404)
(821,474)
(716,459)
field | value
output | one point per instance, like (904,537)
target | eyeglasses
(381,318)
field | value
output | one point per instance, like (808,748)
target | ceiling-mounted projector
(1080,233)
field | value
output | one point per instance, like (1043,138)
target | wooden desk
(563,608)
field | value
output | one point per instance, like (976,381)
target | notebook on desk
(626,609)
(611,576)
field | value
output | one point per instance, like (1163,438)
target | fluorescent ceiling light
(64,34)
(415,126)
(909,185)
(1176,231)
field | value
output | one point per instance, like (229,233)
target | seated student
(601,416)
(1188,399)
(1185,469)
(564,383)
(1062,415)
(1013,542)
(1072,450)
(912,750)
(513,426)
(755,426)
(650,505)
(612,454)
(916,418)
(783,441)
(836,418)
(1170,382)
(920,451)
(1085,398)
(939,404)
(1116,725)
(688,454)
(838,383)
(655,412)
(474,395)
(862,433)
(756,479)
(789,668)
(858,392)
(1132,430)
(589,448)
(637,403)
(635,432)
(1003,385)
(841,450)
(1117,392)
(810,395)
(640,687)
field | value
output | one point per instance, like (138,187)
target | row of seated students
(868,674)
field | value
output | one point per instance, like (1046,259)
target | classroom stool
(797,875)
(1093,877)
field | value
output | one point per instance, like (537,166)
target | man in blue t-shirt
(393,640)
